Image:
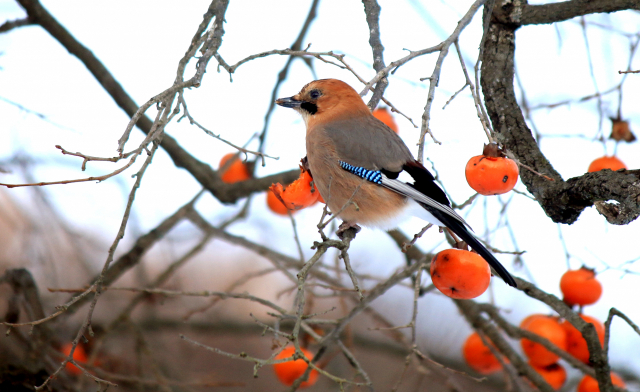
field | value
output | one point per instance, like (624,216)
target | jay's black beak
(289,102)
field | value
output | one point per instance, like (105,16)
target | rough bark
(563,201)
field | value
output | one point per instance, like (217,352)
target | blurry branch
(26,299)
(565,102)
(258,363)
(607,327)
(563,201)
(372,12)
(282,75)
(283,263)
(634,43)
(234,285)
(477,101)
(92,178)
(434,79)
(320,56)
(137,382)
(519,333)
(160,280)
(98,285)
(192,121)
(142,245)
(12,24)
(597,356)
(472,312)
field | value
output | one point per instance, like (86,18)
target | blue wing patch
(374,176)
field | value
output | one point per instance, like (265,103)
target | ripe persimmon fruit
(606,162)
(525,321)
(385,116)
(275,205)
(79,355)
(590,384)
(297,195)
(236,171)
(554,374)
(549,328)
(479,356)
(491,173)
(576,344)
(460,274)
(289,372)
(580,287)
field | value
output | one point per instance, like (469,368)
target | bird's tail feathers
(462,232)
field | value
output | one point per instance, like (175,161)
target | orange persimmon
(525,321)
(479,356)
(460,274)
(385,116)
(606,162)
(79,355)
(276,205)
(580,287)
(590,384)
(491,173)
(289,372)
(546,327)
(297,195)
(553,374)
(576,344)
(236,171)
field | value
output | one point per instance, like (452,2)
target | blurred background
(567,83)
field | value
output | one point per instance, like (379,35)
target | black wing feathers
(425,182)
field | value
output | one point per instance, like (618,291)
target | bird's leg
(344,226)
(459,243)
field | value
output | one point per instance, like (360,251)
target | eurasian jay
(355,161)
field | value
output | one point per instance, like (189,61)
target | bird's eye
(315,94)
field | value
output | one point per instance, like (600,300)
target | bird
(356,160)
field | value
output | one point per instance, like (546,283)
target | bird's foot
(344,226)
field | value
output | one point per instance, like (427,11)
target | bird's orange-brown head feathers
(326,99)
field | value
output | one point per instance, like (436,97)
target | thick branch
(557,12)
(563,201)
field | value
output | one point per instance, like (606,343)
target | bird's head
(326,99)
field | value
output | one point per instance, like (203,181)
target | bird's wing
(364,141)
(365,145)
(369,149)
(410,191)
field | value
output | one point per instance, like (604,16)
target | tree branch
(563,201)
(557,12)
(12,24)
(202,172)
(372,12)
